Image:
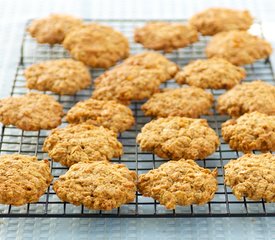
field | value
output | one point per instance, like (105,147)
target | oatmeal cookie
(82,143)
(238,47)
(31,112)
(166,36)
(23,179)
(252,176)
(248,97)
(252,131)
(183,102)
(178,137)
(53,29)
(97,45)
(214,73)
(109,114)
(181,182)
(97,185)
(214,20)
(62,76)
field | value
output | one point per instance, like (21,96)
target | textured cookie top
(238,47)
(214,20)
(97,185)
(252,131)
(53,29)
(23,179)
(154,60)
(252,176)
(97,45)
(248,97)
(180,182)
(125,83)
(82,143)
(184,102)
(178,137)
(166,36)
(215,73)
(31,112)
(62,76)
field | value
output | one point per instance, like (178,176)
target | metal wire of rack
(224,204)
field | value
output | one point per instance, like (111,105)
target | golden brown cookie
(125,83)
(248,97)
(214,20)
(97,185)
(23,179)
(31,112)
(238,47)
(154,60)
(252,176)
(178,137)
(252,131)
(166,36)
(97,45)
(62,76)
(181,182)
(53,29)
(109,114)
(215,73)
(183,102)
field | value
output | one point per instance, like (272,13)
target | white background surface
(13,15)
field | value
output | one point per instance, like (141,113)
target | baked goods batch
(179,134)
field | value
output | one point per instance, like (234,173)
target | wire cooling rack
(14,140)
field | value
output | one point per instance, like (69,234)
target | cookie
(97,45)
(154,60)
(23,179)
(252,176)
(62,76)
(214,73)
(31,112)
(180,182)
(166,36)
(82,143)
(126,83)
(97,185)
(178,137)
(214,20)
(238,47)
(252,131)
(109,114)
(248,97)
(53,29)
(183,102)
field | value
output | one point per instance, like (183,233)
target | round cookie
(183,102)
(109,114)
(82,143)
(252,131)
(214,20)
(97,185)
(62,76)
(248,97)
(23,179)
(252,176)
(53,29)
(166,36)
(178,137)
(125,83)
(154,60)
(180,182)
(31,112)
(214,73)
(97,45)
(238,47)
